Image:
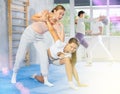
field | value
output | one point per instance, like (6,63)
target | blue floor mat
(25,81)
(101,78)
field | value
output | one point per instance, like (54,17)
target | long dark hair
(80,12)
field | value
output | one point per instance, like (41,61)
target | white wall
(3,35)
(36,6)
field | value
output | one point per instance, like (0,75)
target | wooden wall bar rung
(19,25)
(19,18)
(23,1)
(17,32)
(18,4)
(15,46)
(16,39)
(16,10)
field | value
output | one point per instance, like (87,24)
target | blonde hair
(74,40)
(58,7)
(74,56)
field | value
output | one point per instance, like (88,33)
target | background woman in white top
(81,31)
(96,33)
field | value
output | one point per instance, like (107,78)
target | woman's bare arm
(52,31)
(61,33)
(40,16)
(58,27)
(99,32)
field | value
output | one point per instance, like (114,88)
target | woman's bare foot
(81,85)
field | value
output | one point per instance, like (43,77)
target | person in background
(80,30)
(96,32)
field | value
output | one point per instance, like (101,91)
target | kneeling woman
(63,53)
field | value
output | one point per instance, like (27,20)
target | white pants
(31,37)
(94,42)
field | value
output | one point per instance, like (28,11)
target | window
(114,21)
(114,2)
(109,8)
(97,12)
(99,2)
(61,1)
(100,12)
(82,2)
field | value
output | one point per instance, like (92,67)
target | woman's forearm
(40,16)
(52,32)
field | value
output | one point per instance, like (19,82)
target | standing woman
(97,33)
(32,35)
(58,11)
